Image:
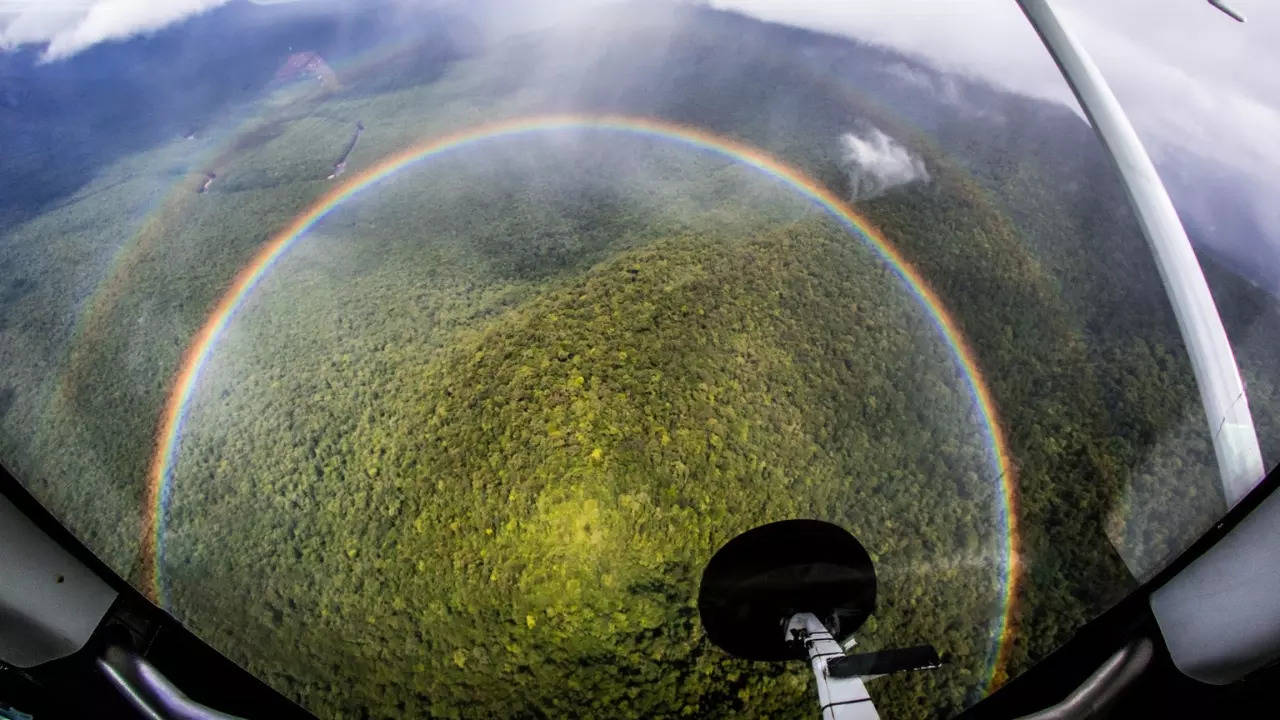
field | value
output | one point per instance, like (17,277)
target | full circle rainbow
(198,353)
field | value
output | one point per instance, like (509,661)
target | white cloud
(71,26)
(876,162)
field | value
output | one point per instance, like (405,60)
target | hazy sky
(1190,77)
(1188,74)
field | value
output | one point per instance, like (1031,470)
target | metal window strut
(1226,407)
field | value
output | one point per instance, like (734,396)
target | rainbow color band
(198,353)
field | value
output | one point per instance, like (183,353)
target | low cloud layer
(68,27)
(875,163)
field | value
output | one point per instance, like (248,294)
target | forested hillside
(467,447)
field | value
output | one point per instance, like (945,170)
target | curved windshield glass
(418,356)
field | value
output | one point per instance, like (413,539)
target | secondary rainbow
(197,355)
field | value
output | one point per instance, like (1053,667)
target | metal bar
(1231,12)
(150,692)
(883,662)
(840,698)
(1100,690)
(1226,407)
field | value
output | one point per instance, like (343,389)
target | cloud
(1195,83)
(876,162)
(66,28)
(944,86)
(1231,121)
(987,39)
